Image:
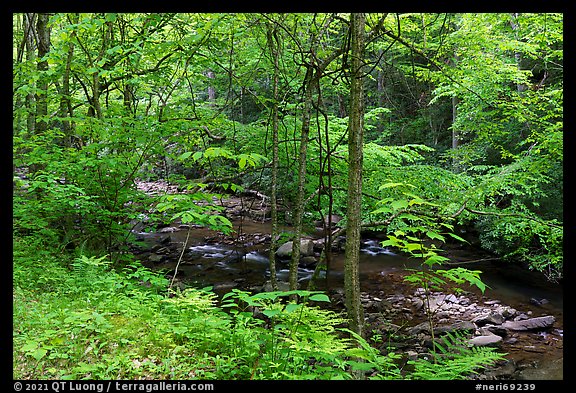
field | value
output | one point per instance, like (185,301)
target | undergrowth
(78,317)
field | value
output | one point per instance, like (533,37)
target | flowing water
(210,261)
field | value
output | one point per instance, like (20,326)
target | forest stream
(391,305)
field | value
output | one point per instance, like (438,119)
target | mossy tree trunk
(274,46)
(355,158)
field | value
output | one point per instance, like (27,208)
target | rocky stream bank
(528,330)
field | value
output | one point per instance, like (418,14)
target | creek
(241,261)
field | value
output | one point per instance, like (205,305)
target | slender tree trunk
(43,41)
(381,81)
(455,133)
(65,102)
(95,107)
(455,136)
(521,87)
(302,158)
(273,44)
(29,32)
(211,89)
(355,158)
(342,113)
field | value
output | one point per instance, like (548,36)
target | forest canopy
(466,108)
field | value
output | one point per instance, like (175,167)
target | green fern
(455,359)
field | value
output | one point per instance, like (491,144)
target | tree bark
(273,44)
(299,212)
(211,89)
(65,102)
(355,158)
(455,137)
(29,33)
(43,42)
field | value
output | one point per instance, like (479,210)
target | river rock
(168,230)
(306,249)
(334,219)
(451,298)
(282,286)
(507,311)
(483,341)
(424,327)
(417,303)
(492,317)
(164,239)
(496,329)
(155,258)
(539,302)
(530,323)
(420,328)
(308,261)
(459,325)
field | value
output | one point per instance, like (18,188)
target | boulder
(493,318)
(334,219)
(155,258)
(483,341)
(456,326)
(424,327)
(306,249)
(308,261)
(530,323)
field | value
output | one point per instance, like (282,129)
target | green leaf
(196,156)
(320,297)
(361,366)
(383,209)
(436,259)
(399,204)
(242,163)
(271,313)
(292,307)
(185,155)
(39,353)
(389,185)
(457,237)
(435,235)
(30,346)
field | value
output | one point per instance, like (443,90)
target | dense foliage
(463,128)
(91,322)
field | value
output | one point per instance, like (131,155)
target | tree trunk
(299,212)
(341,106)
(273,44)
(355,158)
(521,87)
(29,19)
(65,102)
(455,137)
(43,32)
(211,89)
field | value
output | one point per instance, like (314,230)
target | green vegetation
(89,321)
(452,125)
